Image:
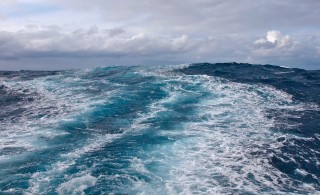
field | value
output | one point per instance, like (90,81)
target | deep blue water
(189,129)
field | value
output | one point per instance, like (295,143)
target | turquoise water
(188,129)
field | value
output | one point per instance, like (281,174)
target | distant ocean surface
(189,129)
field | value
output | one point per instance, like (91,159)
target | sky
(64,34)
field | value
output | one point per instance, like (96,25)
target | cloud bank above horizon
(55,34)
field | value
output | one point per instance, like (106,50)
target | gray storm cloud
(153,32)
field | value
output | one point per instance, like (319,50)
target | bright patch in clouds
(275,38)
(39,34)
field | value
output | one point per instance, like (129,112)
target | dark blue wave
(205,128)
(304,85)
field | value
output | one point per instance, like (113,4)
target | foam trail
(217,154)
(160,130)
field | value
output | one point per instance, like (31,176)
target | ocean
(225,128)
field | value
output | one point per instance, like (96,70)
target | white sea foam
(41,180)
(224,150)
(217,154)
(77,185)
(74,185)
(57,99)
(54,101)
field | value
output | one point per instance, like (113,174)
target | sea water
(189,129)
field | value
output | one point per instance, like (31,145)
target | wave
(188,129)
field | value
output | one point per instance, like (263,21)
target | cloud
(150,30)
(201,17)
(35,43)
(274,39)
(8,2)
(211,16)
(282,49)
(46,41)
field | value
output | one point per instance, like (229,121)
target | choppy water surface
(191,129)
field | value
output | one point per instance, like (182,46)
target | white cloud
(188,31)
(35,43)
(274,38)
(286,50)
(49,40)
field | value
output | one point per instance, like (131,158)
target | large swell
(189,129)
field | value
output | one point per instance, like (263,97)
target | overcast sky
(60,34)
